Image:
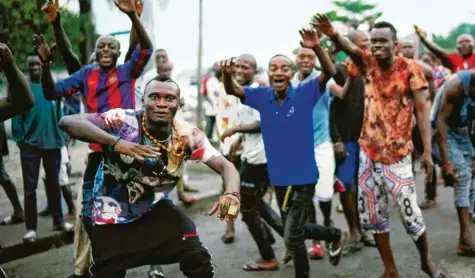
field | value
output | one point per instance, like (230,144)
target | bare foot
(427,204)
(466,247)
(390,274)
(432,270)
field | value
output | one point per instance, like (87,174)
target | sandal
(287,257)
(258,267)
(352,248)
(336,249)
(466,253)
(315,252)
(227,240)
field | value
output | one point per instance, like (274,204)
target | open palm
(309,38)
(126,6)
(323,24)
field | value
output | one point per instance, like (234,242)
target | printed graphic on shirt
(124,188)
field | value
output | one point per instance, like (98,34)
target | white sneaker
(67,227)
(30,236)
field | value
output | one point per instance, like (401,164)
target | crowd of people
(352,128)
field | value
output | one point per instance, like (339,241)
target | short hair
(430,54)
(283,56)
(385,24)
(31,54)
(355,34)
(251,59)
(107,36)
(163,78)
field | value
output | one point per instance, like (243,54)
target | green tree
(20,20)
(449,42)
(354,11)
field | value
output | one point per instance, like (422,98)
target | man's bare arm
(232,87)
(254,127)
(228,172)
(47,82)
(142,36)
(439,52)
(19,97)
(64,46)
(450,92)
(133,42)
(429,75)
(79,127)
(422,115)
(328,68)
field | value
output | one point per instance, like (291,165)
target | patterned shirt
(125,189)
(389,107)
(105,90)
(227,109)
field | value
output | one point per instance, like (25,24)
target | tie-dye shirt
(386,135)
(125,189)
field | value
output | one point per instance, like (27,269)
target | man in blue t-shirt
(287,131)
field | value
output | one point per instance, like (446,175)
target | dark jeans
(31,158)
(295,215)
(210,121)
(170,236)
(93,161)
(254,184)
(9,188)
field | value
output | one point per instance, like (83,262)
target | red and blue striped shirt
(106,90)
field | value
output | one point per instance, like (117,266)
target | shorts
(376,180)
(460,154)
(347,170)
(325,159)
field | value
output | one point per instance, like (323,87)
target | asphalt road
(228,260)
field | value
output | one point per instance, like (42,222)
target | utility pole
(199,78)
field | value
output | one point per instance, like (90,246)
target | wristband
(115,143)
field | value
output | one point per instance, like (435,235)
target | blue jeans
(210,121)
(31,158)
(460,154)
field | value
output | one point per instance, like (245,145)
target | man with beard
(103,83)
(456,96)
(394,88)
(40,141)
(144,156)
(346,120)
(11,105)
(286,116)
(254,175)
(465,59)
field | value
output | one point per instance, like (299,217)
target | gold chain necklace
(160,145)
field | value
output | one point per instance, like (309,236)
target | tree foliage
(450,41)
(21,19)
(353,10)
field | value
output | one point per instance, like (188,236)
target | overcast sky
(266,27)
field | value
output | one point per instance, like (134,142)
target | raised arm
(52,91)
(64,46)
(442,54)
(133,41)
(19,97)
(449,93)
(310,40)
(128,7)
(254,127)
(323,24)
(230,84)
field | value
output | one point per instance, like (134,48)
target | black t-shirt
(347,113)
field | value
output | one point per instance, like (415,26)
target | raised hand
(323,24)
(139,7)
(139,152)
(419,31)
(44,51)
(5,55)
(228,65)
(50,8)
(227,207)
(309,38)
(126,6)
